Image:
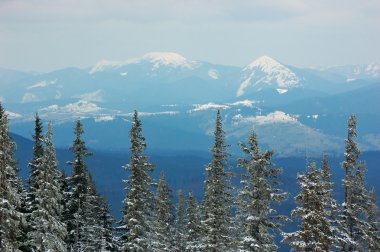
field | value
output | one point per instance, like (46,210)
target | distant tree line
(56,212)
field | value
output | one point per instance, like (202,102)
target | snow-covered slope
(267,72)
(155,59)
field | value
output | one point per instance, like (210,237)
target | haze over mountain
(296,111)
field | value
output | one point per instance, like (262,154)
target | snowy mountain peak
(266,63)
(158,59)
(264,72)
(168,59)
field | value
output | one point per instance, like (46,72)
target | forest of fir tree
(52,211)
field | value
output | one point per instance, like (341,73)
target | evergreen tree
(353,223)
(164,217)
(315,231)
(10,217)
(373,220)
(217,200)
(48,231)
(260,192)
(136,223)
(193,227)
(35,164)
(79,190)
(109,242)
(180,223)
(330,205)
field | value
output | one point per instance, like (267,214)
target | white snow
(42,84)
(213,74)
(92,96)
(158,59)
(106,64)
(274,117)
(167,58)
(245,103)
(29,97)
(281,90)
(268,71)
(104,118)
(315,117)
(207,106)
(52,108)
(158,113)
(81,107)
(373,69)
(12,115)
(58,95)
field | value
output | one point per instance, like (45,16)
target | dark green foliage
(180,223)
(136,227)
(353,224)
(218,200)
(165,218)
(315,212)
(10,217)
(256,216)
(193,227)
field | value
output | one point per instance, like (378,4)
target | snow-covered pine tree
(136,224)
(193,227)
(180,223)
(164,215)
(10,217)
(329,204)
(35,164)
(258,219)
(48,231)
(217,200)
(79,189)
(315,231)
(353,224)
(374,222)
(109,242)
(91,231)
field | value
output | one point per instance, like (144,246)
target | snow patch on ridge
(42,84)
(29,97)
(281,90)
(104,118)
(271,118)
(158,59)
(92,96)
(213,74)
(12,115)
(207,106)
(245,103)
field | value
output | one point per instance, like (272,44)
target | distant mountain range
(296,111)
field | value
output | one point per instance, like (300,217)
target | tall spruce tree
(10,217)
(256,199)
(48,231)
(374,222)
(35,164)
(353,224)
(137,219)
(180,223)
(193,227)
(165,218)
(79,190)
(315,231)
(217,200)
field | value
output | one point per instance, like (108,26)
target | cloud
(150,11)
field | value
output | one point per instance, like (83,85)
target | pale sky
(45,35)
